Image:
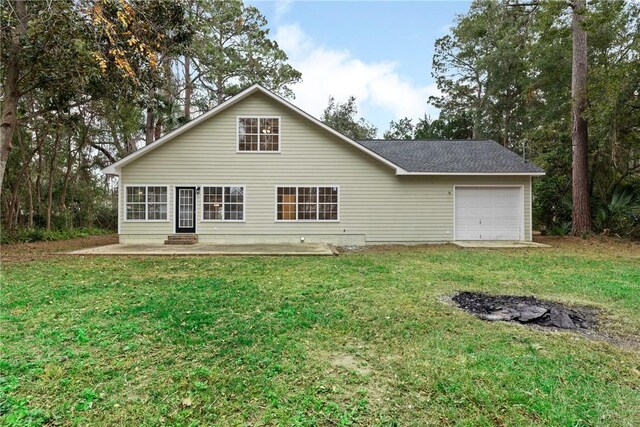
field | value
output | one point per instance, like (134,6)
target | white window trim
(146,203)
(244,203)
(304,220)
(258,151)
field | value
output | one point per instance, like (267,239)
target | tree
(528,60)
(12,45)
(41,51)
(444,127)
(581,212)
(231,51)
(140,40)
(402,129)
(343,118)
(85,81)
(71,53)
(480,70)
(613,113)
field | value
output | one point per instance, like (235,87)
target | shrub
(28,235)
(620,216)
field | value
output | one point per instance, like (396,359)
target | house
(258,169)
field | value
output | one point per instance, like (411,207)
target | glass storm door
(186,210)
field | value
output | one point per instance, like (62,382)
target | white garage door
(489,213)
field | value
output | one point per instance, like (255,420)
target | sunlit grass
(359,339)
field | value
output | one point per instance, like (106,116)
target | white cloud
(282,7)
(378,87)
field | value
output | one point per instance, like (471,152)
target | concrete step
(180,242)
(181,239)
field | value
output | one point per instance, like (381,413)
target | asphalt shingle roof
(461,156)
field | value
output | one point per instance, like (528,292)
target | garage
(489,213)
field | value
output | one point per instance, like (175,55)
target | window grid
(157,203)
(185,207)
(307,204)
(146,203)
(259,134)
(222,203)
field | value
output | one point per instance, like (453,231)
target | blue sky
(378,51)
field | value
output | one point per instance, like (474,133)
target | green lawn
(359,339)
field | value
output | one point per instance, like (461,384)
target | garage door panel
(506,233)
(488,213)
(483,211)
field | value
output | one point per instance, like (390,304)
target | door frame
(522,210)
(176,201)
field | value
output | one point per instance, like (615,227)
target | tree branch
(104,151)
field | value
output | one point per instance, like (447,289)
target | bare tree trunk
(5,203)
(65,184)
(219,90)
(30,199)
(27,156)
(475,130)
(149,128)
(13,206)
(9,120)
(158,130)
(16,221)
(52,167)
(581,211)
(188,87)
(39,182)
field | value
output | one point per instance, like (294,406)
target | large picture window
(307,204)
(260,134)
(146,203)
(223,203)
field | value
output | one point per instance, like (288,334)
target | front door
(186,210)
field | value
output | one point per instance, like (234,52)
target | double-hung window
(146,203)
(223,203)
(307,203)
(259,134)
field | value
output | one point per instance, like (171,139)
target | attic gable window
(259,134)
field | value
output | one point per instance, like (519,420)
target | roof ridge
(425,140)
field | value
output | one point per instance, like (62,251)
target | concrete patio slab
(315,249)
(498,244)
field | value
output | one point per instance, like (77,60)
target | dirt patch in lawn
(353,376)
(25,252)
(349,362)
(593,246)
(427,247)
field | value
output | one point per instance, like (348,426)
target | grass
(359,339)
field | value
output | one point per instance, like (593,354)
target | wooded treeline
(505,73)
(86,82)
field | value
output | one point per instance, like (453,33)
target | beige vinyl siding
(374,204)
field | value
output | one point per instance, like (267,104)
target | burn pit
(524,309)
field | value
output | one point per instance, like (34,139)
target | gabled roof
(405,157)
(114,169)
(458,157)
